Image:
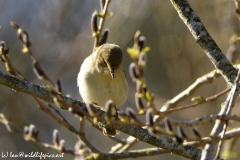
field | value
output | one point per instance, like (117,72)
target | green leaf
(139,95)
(124,119)
(110,14)
(148,96)
(146,49)
(133,52)
(100,14)
(197,99)
(95,120)
(141,112)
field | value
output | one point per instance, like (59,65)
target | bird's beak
(112,73)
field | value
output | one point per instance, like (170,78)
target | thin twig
(24,38)
(130,143)
(58,113)
(205,118)
(6,59)
(212,98)
(208,78)
(65,124)
(100,130)
(231,103)
(101,23)
(225,110)
(8,125)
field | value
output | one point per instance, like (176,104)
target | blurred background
(60,34)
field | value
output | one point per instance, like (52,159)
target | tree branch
(130,154)
(41,92)
(163,142)
(204,39)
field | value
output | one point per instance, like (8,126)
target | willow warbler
(102,78)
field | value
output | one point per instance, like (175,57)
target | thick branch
(41,92)
(139,133)
(204,39)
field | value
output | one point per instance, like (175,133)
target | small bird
(102,78)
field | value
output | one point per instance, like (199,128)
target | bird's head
(108,58)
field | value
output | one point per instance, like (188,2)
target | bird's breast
(100,87)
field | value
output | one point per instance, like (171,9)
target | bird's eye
(105,64)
